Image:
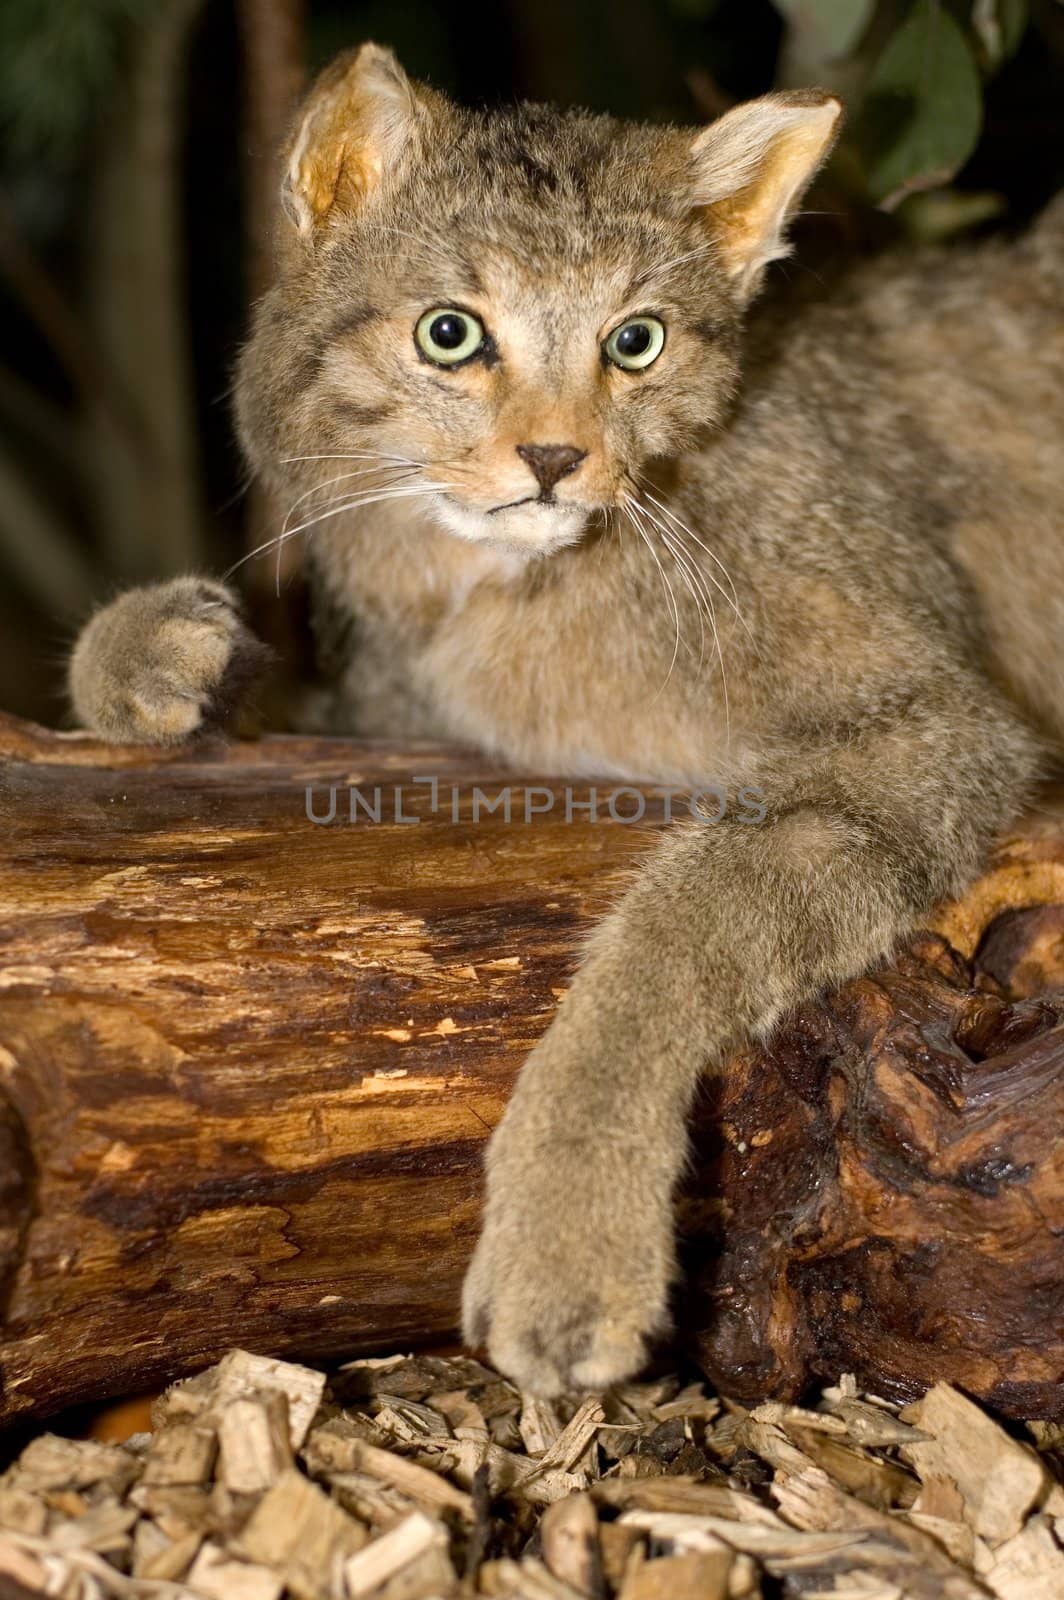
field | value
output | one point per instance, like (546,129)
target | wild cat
(568,505)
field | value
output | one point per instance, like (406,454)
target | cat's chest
(570,685)
(562,669)
(408,576)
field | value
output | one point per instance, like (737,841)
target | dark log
(248,1064)
(888,1175)
(893,1177)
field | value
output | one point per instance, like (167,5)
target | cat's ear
(355,124)
(752,167)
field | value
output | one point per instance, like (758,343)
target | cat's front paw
(159,663)
(567,1292)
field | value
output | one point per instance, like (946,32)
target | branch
(272,34)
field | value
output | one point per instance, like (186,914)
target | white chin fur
(529,529)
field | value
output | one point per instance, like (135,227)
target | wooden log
(248,1063)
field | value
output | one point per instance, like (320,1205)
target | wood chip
(566,1450)
(692,1402)
(426,1488)
(508,1474)
(104,1528)
(242,1374)
(1029,1566)
(568,1534)
(411,1562)
(462,1412)
(223,1577)
(682,1494)
(183,1453)
(413,1470)
(21,1510)
(380,1505)
(811,1501)
(526,1580)
(868,1425)
(20,1565)
(239,1375)
(304,1536)
(956,1538)
(618,1544)
(177,1509)
(331,1445)
(254,1442)
(701,1575)
(539,1425)
(156,1556)
(999,1479)
(50,1462)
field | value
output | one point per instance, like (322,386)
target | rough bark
(892,1174)
(248,1064)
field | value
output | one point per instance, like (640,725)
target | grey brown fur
(868,491)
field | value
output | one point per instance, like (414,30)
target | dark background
(136,174)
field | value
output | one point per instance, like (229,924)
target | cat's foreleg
(728,926)
(161,662)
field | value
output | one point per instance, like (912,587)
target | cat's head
(518,308)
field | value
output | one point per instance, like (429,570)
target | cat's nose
(551,462)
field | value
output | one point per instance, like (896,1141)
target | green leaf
(999,26)
(946,213)
(923,108)
(833,26)
(59,60)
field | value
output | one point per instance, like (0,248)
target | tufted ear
(354,125)
(752,167)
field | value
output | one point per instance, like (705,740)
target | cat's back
(937,381)
(985,345)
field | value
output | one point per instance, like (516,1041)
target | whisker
(371,498)
(342,477)
(696,583)
(352,503)
(697,594)
(609,527)
(280,538)
(694,579)
(359,472)
(435,246)
(631,508)
(697,576)
(676,261)
(673,536)
(357,455)
(730,594)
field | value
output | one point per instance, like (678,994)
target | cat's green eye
(448,336)
(636,343)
